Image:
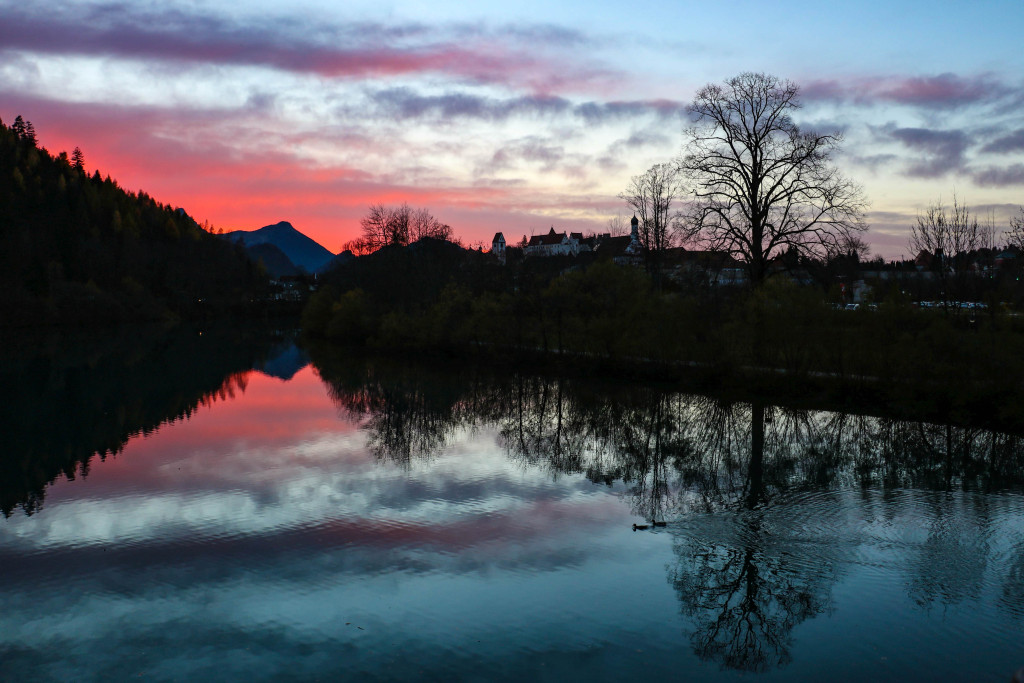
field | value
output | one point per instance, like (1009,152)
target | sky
(511,117)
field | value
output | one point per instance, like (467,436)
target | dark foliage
(70,399)
(77,248)
(782,339)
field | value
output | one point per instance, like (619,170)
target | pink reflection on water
(252,412)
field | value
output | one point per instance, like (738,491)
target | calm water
(190,509)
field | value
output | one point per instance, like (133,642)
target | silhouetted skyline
(501,118)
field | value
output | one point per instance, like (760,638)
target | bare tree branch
(387,225)
(761,185)
(651,195)
(1015,235)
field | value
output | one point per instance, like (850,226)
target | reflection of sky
(260,539)
(263,524)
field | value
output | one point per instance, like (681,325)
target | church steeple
(634,247)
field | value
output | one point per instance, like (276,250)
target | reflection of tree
(746,592)
(65,403)
(941,457)
(733,476)
(408,412)
(1012,598)
(747,586)
(949,567)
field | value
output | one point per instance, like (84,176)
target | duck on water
(641,527)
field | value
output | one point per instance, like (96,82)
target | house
(498,246)
(1007,258)
(553,244)
(707,268)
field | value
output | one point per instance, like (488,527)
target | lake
(211,505)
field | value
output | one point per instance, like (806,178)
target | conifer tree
(18,127)
(78,159)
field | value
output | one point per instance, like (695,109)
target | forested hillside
(76,248)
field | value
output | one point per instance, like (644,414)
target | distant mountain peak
(300,249)
(276,227)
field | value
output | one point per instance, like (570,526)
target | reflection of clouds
(297,618)
(315,485)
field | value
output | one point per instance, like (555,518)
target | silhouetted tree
(397,225)
(760,183)
(652,195)
(1015,235)
(948,234)
(78,159)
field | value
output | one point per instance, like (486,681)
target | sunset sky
(503,116)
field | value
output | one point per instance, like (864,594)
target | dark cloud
(872,161)
(944,91)
(994,176)
(532,149)
(520,55)
(1014,142)
(598,112)
(944,150)
(406,103)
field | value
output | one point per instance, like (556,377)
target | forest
(75,248)
(780,339)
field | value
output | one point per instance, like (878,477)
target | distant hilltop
(301,251)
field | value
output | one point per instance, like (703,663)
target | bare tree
(1015,235)
(988,233)
(651,195)
(617,226)
(948,234)
(762,185)
(852,244)
(378,228)
(386,225)
(423,224)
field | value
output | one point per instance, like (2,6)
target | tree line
(753,184)
(399,225)
(76,247)
(615,319)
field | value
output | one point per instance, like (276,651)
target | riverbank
(782,341)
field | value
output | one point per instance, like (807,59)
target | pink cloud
(939,92)
(179,157)
(346,51)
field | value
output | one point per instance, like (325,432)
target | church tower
(634,236)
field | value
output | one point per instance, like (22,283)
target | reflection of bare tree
(746,591)
(747,586)
(552,424)
(406,414)
(943,457)
(950,565)
(732,475)
(1012,598)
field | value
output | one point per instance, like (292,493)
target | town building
(554,244)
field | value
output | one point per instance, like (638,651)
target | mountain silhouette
(273,259)
(301,250)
